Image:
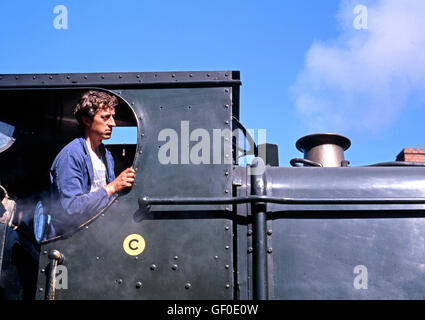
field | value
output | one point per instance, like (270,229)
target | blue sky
(292,56)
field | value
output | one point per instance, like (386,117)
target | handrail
(146,202)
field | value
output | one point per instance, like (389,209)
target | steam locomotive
(197,224)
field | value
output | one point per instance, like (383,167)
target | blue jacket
(71,175)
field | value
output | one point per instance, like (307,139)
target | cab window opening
(43,124)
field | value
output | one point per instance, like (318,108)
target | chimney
(411,155)
(324,148)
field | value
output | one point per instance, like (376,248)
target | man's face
(101,125)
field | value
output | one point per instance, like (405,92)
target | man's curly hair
(90,102)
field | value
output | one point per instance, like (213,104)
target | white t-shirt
(99,170)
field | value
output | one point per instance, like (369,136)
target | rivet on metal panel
(173,75)
(41,289)
(85,77)
(269,232)
(50,77)
(103,77)
(226,74)
(227,106)
(44,252)
(227,247)
(187,286)
(249,233)
(174,267)
(208,75)
(216,257)
(87,227)
(227,122)
(120,76)
(191,75)
(138,284)
(34,77)
(97,258)
(176,258)
(136,258)
(226,90)
(137,76)
(226,228)
(226,173)
(269,250)
(68,77)
(227,286)
(119,281)
(226,191)
(153,267)
(16,77)
(42,270)
(250,250)
(227,266)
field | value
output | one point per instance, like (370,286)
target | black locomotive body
(196,225)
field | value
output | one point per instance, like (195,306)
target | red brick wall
(412,155)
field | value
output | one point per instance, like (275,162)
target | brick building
(411,155)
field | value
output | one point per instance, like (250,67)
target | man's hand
(124,180)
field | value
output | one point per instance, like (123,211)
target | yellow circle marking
(134,244)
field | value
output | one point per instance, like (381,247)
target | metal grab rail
(146,202)
(56,258)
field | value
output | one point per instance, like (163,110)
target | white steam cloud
(364,79)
